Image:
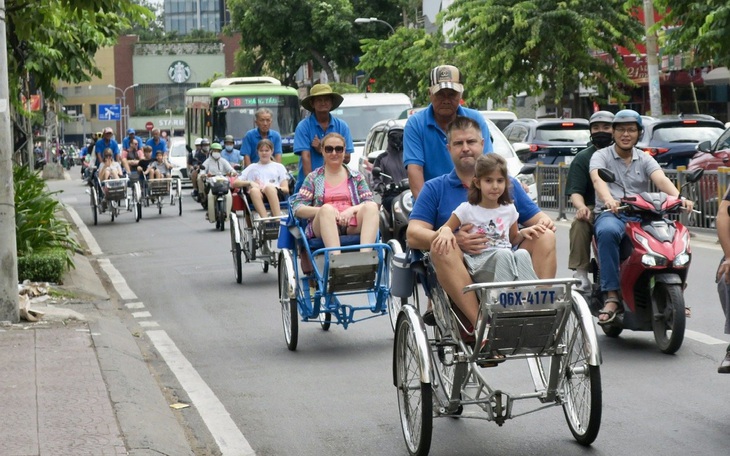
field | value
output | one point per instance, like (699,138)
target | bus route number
(518,298)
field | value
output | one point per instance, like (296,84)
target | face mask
(206,148)
(216,155)
(229,148)
(601,139)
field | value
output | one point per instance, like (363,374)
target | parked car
(673,141)
(500,118)
(550,141)
(177,153)
(376,144)
(710,156)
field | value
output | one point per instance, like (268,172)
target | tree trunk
(324,64)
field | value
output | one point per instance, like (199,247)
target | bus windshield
(235,115)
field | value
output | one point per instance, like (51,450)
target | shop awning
(718,76)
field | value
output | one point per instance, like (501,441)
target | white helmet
(199,141)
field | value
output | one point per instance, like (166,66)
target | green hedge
(43,266)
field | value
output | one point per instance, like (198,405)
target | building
(142,86)
(184,16)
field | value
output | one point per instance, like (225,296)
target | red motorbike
(654,260)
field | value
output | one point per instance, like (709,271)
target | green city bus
(228,106)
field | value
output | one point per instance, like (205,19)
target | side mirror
(704,146)
(606,175)
(528,169)
(695,175)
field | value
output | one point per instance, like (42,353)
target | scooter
(219,200)
(654,260)
(394,223)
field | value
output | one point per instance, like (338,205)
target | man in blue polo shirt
(250,142)
(131,134)
(106,142)
(157,144)
(320,102)
(424,138)
(441,195)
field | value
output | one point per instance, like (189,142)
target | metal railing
(551,181)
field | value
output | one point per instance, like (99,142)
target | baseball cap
(131,131)
(107,130)
(446,77)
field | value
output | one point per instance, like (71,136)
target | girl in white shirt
(491,211)
(265,178)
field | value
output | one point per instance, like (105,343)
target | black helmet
(628,116)
(601,116)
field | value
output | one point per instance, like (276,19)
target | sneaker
(585,283)
(725,364)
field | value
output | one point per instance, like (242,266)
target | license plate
(526,298)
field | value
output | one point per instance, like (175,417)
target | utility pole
(8,255)
(652,64)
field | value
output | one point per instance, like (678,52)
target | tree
(541,46)
(701,28)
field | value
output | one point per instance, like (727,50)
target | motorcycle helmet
(199,142)
(216,146)
(395,139)
(228,139)
(601,116)
(205,142)
(628,116)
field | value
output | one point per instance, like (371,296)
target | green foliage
(541,46)
(38,227)
(402,62)
(699,27)
(57,39)
(344,87)
(43,266)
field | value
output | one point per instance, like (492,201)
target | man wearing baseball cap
(320,102)
(106,142)
(130,136)
(424,138)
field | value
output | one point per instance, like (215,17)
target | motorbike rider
(633,169)
(230,153)
(580,190)
(215,165)
(390,162)
(198,159)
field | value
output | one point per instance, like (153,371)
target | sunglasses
(330,149)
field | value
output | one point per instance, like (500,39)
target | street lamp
(125,115)
(367,20)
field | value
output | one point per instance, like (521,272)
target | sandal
(611,313)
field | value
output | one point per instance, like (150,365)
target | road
(220,346)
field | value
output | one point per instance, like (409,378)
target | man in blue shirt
(157,143)
(131,134)
(424,138)
(250,142)
(320,102)
(230,153)
(441,195)
(106,142)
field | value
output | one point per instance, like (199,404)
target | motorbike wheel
(612,331)
(219,215)
(289,312)
(236,252)
(667,305)
(581,384)
(415,398)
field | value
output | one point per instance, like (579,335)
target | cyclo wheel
(394,303)
(415,399)
(667,304)
(94,204)
(289,313)
(236,252)
(581,384)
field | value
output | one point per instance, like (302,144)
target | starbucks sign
(179,72)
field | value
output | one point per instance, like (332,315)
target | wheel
(611,330)
(236,252)
(137,211)
(220,215)
(159,206)
(446,368)
(667,305)
(325,320)
(394,303)
(265,266)
(94,205)
(179,205)
(289,314)
(581,384)
(415,399)
(113,209)
(249,244)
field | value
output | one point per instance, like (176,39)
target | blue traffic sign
(110,112)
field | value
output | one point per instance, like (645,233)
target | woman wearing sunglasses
(336,199)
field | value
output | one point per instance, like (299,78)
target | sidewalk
(76,382)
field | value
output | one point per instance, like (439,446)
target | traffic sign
(149,126)
(110,112)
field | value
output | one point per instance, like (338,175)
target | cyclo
(157,192)
(112,195)
(253,236)
(315,290)
(541,321)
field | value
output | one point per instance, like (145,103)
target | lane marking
(134,305)
(85,233)
(229,438)
(144,314)
(116,279)
(149,324)
(703,338)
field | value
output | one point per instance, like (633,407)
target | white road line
(229,438)
(149,324)
(116,279)
(134,305)
(85,233)
(704,338)
(143,314)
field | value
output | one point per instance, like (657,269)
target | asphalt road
(334,395)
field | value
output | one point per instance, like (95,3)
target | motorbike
(654,261)
(218,201)
(393,223)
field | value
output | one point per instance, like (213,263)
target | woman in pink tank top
(336,199)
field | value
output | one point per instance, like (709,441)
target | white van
(363,110)
(500,118)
